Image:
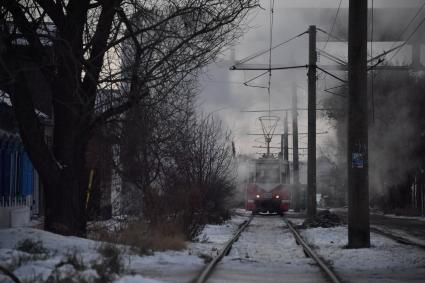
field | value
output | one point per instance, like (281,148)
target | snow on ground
(53,260)
(378,212)
(40,265)
(266,252)
(214,237)
(386,261)
(183,266)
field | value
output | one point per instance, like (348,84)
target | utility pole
(295,169)
(357,145)
(311,166)
(286,148)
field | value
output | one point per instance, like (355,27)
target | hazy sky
(224,93)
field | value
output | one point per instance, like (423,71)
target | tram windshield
(267,173)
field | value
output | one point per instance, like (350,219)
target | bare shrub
(168,236)
(30,246)
(111,263)
(74,259)
(144,238)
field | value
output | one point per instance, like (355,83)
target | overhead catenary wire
(408,25)
(410,36)
(398,48)
(259,53)
(332,75)
(333,58)
(392,49)
(329,35)
(372,72)
(329,90)
(254,78)
(333,25)
(270,52)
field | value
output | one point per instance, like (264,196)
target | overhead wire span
(270,52)
(328,90)
(386,52)
(332,57)
(410,37)
(334,93)
(332,75)
(285,109)
(333,25)
(338,86)
(259,53)
(258,67)
(398,48)
(254,78)
(372,72)
(331,35)
(410,22)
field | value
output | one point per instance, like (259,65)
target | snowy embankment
(386,260)
(38,256)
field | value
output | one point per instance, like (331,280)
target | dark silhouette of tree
(66,51)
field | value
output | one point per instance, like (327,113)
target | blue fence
(16,170)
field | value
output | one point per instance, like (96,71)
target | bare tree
(68,50)
(202,178)
(148,134)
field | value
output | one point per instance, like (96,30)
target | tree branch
(100,42)
(10,274)
(53,10)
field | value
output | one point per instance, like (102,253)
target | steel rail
(311,253)
(206,272)
(397,238)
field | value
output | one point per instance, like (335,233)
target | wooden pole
(357,147)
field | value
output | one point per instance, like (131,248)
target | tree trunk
(65,209)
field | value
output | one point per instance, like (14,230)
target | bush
(112,261)
(31,247)
(74,259)
(324,219)
(145,238)
(167,236)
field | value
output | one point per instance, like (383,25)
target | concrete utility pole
(286,148)
(357,146)
(311,166)
(296,168)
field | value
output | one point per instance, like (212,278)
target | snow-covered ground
(57,256)
(411,228)
(386,261)
(266,252)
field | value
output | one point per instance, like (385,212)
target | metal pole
(295,158)
(357,142)
(286,149)
(268,140)
(311,167)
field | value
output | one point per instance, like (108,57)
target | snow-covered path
(266,252)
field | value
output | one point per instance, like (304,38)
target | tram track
(397,238)
(311,253)
(308,251)
(206,272)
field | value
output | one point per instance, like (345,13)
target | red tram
(267,190)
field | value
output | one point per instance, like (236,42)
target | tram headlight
(277,196)
(257,196)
